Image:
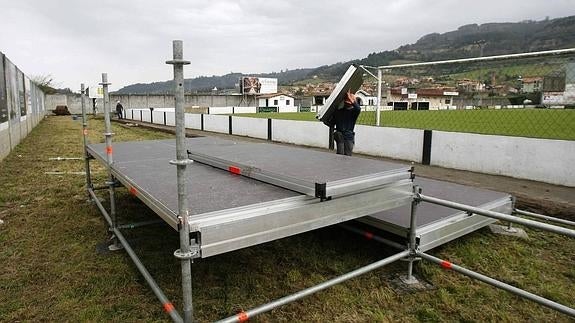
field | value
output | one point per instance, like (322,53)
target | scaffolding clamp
(193,253)
(181,162)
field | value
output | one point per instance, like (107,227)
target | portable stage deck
(241,194)
(230,209)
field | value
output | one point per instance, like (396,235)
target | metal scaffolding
(192,245)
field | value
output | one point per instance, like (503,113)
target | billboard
(95,92)
(258,85)
(12,90)
(4,115)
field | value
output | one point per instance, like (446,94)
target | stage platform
(258,192)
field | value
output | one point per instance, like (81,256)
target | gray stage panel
(298,169)
(437,224)
(429,213)
(146,165)
(350,81)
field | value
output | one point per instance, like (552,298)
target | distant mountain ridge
(467,41)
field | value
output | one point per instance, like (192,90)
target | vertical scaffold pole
(378,110)
(85,135)
(110,160)
(413,236)
(185,253)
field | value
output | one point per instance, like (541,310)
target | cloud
(76,41)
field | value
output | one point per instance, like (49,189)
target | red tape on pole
(133,191)
(445,264)
(109,150)
(368,235)
(168,307)
(235,170)
(243,317)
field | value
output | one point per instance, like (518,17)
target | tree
(45,83)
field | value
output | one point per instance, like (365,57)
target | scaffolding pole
(244,316)
(493,282)
(85,140)
(109,161)
(544,217)
(413,246)
(499,216)
(186,253)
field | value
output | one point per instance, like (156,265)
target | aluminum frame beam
(321,190)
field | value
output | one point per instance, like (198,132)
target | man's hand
(349,98)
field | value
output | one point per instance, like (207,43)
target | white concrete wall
(221,110)
(290,108)
(216,123)
(307,133)
(250,127)
(4,140)
(550,161)
(158,117)
(13,131)
(136,115)
(146,116)
(245,110)
(399,143)
(171,119)
(193,121)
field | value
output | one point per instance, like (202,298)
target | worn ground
(52,267)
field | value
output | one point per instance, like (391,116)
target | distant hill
(466,41)
(207,83)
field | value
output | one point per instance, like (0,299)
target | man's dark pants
(344,147)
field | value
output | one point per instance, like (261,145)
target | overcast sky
(75,41)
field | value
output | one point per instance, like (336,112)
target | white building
(421,99)
(276,102)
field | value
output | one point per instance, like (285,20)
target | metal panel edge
(234,232)
(458,225)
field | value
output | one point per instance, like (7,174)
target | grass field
(535,123)
(51,269)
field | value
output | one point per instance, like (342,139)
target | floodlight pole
(186,252)
(85,135)
(110,160)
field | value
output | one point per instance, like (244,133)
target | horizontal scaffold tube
(493,282)
(371,236)
(544,217)
(244,316)
(499,216)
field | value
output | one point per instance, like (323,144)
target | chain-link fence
(529,95)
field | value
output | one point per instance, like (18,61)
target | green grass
(534,123)
(51,269)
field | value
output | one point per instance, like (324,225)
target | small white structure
(276,102)
(366,98)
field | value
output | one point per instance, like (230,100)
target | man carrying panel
(345,119)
